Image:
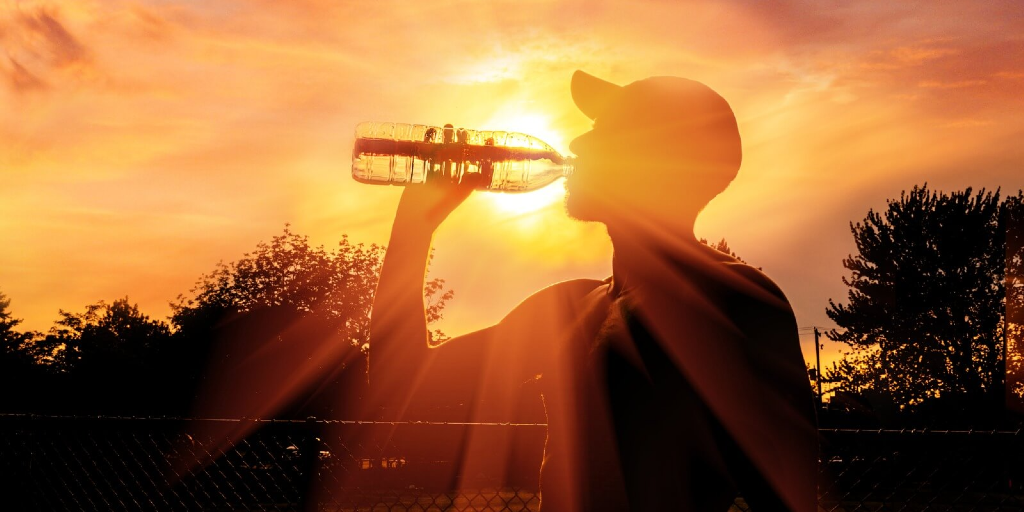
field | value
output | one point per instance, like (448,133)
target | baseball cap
(667,114)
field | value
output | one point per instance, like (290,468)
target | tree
(723,247)
(106,358)
(17,368)
(107,339)
(337,285)
(289,320)
(1014,216)
(27,382)
(14,353)
(925,316)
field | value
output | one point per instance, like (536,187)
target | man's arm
(479,374)
(487,366)
(399,339)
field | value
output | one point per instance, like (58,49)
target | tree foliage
(287,312)
(107,340)
(16,356)
(925,314)
(723,247)
(1015,303)
(336,286)
(287,302)
(101,360)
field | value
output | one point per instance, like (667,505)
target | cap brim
(591,94)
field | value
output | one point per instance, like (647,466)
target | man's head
(661,148)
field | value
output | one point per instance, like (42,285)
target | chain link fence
(921,470)
(109,463)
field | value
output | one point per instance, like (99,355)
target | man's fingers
(474,180)
(438,197)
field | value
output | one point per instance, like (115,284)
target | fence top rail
(921,431)
(322,421)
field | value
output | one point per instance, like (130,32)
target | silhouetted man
(673,385)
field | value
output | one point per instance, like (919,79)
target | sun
(528,202)
(530,123)
(538,125)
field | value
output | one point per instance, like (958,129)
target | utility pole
(817,370)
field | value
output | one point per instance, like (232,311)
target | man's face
(660,149)
(616,174)
(588,185)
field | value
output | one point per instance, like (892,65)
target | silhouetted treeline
(933,315)
(113,359)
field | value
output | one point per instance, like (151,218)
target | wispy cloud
(46,32)
(906,56)
(21,79)
(40,50)
(933,84)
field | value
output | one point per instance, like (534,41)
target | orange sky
(143,141)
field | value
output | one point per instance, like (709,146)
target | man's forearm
(398,326)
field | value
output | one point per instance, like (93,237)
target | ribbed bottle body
(403,154)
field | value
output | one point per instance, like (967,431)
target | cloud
(968,123)
(150,25)
(905,56)
(64,49)
(41,51)
(934,84)
(20,79)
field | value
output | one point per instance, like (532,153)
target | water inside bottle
(401,154)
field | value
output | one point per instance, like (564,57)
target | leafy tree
(287,316)
(17,367)
(287,272)
(925,314)
(1014,216)
(26,382)
(107,339)
(245,330)
(14,353)
(105,359)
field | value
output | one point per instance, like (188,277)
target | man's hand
(433,201)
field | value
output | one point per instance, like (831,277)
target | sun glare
(528,202)
(538,125)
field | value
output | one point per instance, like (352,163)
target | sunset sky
(141,142)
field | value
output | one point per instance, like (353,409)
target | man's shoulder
(558,300)
(750,280)
(722,275)
(755,303)
(736,287)
(573,289)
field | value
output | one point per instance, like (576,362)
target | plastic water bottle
(402,154)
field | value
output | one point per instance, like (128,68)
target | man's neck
(635,245)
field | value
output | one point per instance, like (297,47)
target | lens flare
(528,202)
(531,123)
(513,119)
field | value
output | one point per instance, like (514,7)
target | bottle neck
(568,165)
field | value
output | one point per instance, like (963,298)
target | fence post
(309,455)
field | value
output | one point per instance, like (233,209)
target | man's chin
(578,208)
